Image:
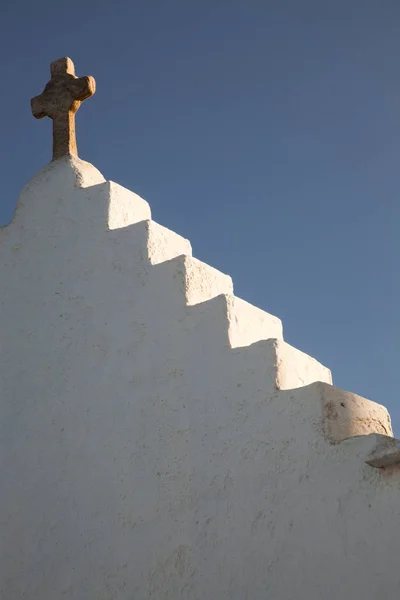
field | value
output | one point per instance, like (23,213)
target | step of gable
(296,368)
(279,366)
(164,244)
(124,207)
(230,321)
(119,206)
(188,278)
(153,243)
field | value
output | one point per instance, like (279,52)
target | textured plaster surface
(159,439)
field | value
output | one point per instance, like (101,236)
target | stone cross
(60,100)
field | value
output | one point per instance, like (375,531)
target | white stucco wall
(159,439)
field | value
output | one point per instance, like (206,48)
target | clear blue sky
(267,132)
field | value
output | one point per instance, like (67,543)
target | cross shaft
(59,101)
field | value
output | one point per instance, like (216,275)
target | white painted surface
(347,415)
(146,452)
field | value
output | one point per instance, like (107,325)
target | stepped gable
(72,192)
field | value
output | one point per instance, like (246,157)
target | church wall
(159,439)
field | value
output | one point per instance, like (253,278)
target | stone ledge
(347,415)
(385,454)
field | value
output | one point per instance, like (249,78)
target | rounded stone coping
(69,170)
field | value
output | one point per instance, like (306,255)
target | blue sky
(267,132)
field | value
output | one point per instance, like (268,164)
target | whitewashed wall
(159,439)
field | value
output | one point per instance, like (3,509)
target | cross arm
(82,87)
(39,107)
